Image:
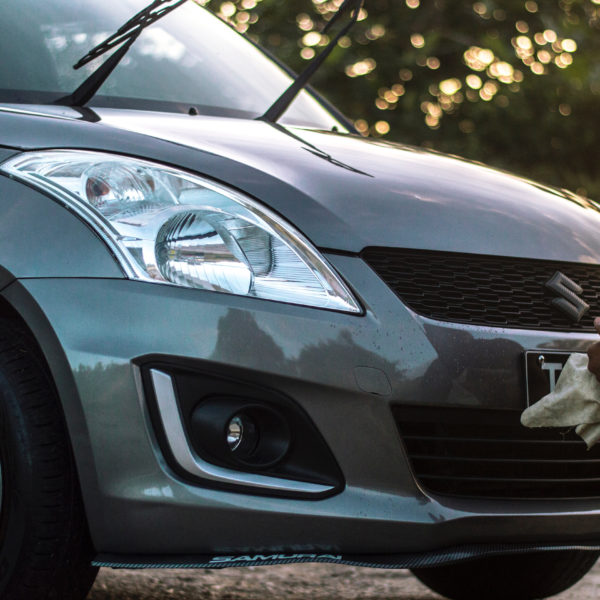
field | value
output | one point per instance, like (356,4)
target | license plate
(542,370)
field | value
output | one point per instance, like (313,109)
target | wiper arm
(275,112)
(126,35)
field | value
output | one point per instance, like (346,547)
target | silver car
(233,332)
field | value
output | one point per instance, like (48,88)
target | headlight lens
(168,226)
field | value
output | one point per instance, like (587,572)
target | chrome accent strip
(193,464)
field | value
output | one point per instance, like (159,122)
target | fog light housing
(288,446)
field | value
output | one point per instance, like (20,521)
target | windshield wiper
(126,35)
(280,105)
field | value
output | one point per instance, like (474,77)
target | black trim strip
(379,561)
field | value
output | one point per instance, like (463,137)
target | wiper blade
(125,36)
(316,151)
(279,107)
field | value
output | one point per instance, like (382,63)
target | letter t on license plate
(542,371)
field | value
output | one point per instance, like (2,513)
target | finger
(597,324)
(593,353)
(595,372)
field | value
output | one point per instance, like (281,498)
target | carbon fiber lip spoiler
(416,560)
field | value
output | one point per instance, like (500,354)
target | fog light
(242,436)
(235,433)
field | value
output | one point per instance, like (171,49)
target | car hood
(343,191)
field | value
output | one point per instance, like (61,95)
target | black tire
(515,576)
(45,547)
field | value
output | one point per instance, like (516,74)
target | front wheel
(45,549)
(516,576)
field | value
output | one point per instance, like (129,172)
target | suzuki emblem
(569,302)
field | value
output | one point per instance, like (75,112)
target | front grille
(484,290)
(489,454)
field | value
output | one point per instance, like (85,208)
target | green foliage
(514,83)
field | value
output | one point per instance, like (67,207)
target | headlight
(168,226)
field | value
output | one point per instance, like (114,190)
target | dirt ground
(298,582)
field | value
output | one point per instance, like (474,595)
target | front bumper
(344,371)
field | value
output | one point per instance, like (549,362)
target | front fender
(40,238)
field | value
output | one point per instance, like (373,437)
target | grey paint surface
(344,370)
(6,153)
(402,196)
(310,355)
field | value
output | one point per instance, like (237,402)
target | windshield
(190,58)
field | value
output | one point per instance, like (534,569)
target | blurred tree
(513,83)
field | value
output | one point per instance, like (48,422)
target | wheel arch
(40,239)
(17,305)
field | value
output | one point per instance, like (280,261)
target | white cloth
(575,402)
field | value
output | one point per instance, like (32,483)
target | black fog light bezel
(308,459)
(270,437)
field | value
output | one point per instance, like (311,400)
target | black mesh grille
(484,290)
(489,454)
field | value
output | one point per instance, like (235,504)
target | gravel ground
(299,582)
